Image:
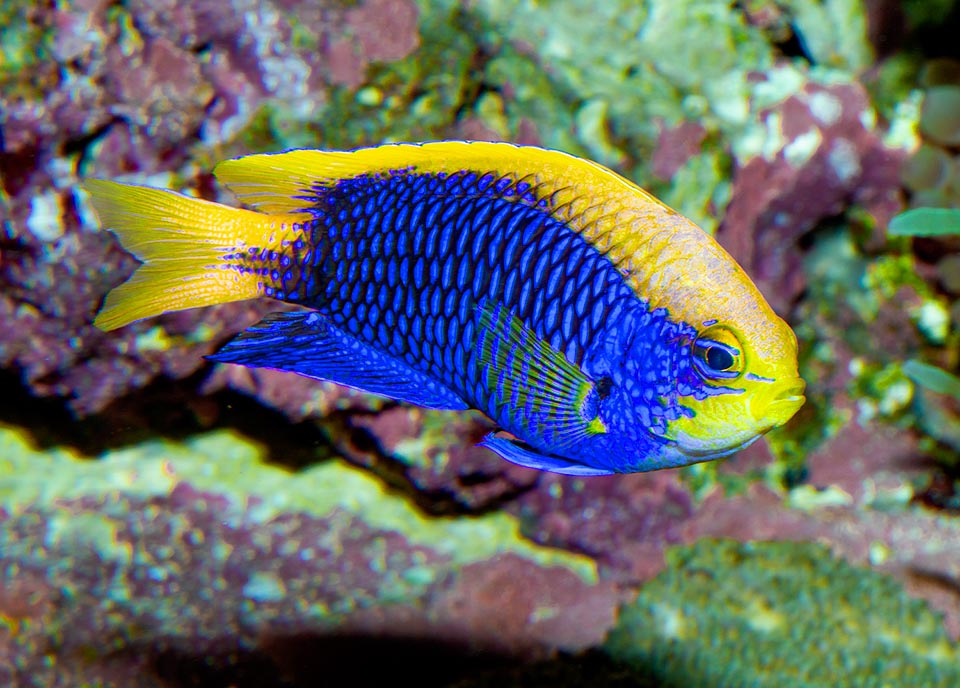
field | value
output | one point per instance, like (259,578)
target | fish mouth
(772,405)
(787,398)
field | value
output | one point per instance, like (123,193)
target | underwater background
(167,521)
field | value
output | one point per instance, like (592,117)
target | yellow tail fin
(193,251)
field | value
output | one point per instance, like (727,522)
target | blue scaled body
(465,290)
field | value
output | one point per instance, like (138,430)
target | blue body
(468,291)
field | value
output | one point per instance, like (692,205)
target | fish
(601,331)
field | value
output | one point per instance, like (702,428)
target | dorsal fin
(278,182)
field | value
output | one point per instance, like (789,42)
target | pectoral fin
(537,384)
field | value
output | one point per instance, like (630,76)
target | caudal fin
(194,252)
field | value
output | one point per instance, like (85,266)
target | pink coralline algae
(115,585)
(624,522)
(831,158)
(126,92)
(434,453)
(377,30)
(675,146)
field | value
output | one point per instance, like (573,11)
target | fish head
(736,372)
(746,383)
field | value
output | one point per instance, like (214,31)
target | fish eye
(717,354)
(718,358)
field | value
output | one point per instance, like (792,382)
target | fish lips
(780,405)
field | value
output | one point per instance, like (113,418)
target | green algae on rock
(833,33)
(633,70)
(228,465)
(201,549)
(780,613)
(413,98)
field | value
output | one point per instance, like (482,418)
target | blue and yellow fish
(601,329)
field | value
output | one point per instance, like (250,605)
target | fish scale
(497,249)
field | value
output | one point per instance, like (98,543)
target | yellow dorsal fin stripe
(662,255)
(609,211)
(271,182)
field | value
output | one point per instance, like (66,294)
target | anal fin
(523,455)
(308,344)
